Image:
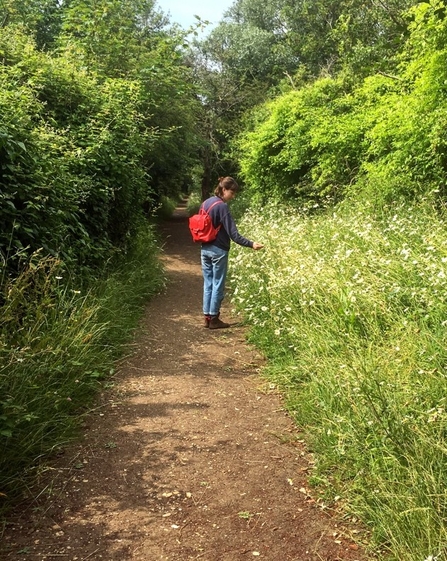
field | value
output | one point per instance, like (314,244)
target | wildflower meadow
(349,307)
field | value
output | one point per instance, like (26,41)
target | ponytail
(226,183)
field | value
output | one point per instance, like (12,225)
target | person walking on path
(214,255)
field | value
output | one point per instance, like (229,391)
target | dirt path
(189,456)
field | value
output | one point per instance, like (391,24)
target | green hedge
(71,180)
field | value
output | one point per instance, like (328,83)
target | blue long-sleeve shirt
(220,214)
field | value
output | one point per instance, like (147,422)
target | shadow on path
(189,456)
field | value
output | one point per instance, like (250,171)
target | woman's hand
(257,245)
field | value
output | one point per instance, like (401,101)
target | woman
(214,255)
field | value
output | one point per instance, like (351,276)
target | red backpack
(201,225)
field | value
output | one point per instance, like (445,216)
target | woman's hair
(226,183)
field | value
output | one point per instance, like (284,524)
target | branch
(290,79)
(390,76)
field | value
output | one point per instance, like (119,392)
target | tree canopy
(107,107)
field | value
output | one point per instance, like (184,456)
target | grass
(166,207)
(58,343)
(350,309)
(193,204)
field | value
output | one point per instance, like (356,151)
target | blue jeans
(214,269)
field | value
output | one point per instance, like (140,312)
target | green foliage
(166,207)
(71,148)
(324,36)
(58,340)
(128,41)
(406,154)
(193,204)
(332,35)
(77,150)
(250,53)
(261,48)
(306,144)
(110,36)
(349,307)
(40,19)
(383,137)
(39,199)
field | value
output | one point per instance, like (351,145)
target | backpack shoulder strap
(214,204)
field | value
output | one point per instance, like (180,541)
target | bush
(193,204)
(383,138)
(72,178)
(306,145)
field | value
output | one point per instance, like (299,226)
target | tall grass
(166,207)
(350,307)
(58,342)
(193,203)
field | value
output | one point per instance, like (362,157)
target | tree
(40,18)
(331,34)
(129,39)
(111,35)
(275,38)
(236,65)
(250,44)
(223,100)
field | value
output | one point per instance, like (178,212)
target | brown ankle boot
(216,323)
(207,320)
